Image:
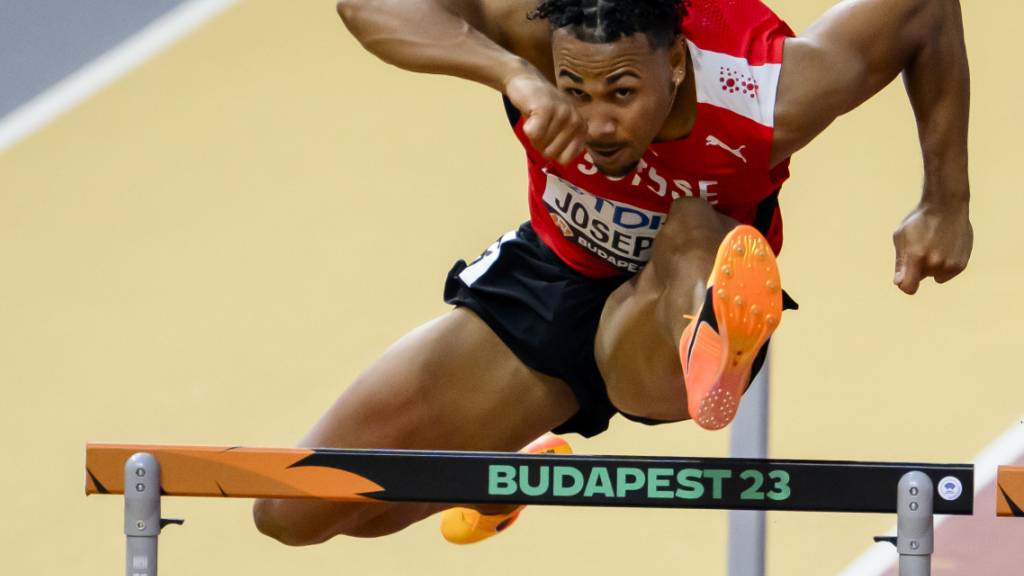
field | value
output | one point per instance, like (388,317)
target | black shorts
(547,314)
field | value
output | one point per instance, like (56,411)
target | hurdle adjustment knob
(168,521)
(889,539)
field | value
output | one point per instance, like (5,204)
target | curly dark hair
(600,21)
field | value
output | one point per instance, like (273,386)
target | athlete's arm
(485,41)
(854,51)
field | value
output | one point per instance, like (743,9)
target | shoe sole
(747,302)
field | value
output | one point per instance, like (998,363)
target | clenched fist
(552,124)
(933,240)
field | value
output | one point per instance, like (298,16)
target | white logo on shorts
(474,271)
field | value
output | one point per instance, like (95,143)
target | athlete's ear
(677,59)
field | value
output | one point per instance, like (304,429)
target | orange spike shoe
(742,308)
(461,525)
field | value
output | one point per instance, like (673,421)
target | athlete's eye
(624,93)
(576,93)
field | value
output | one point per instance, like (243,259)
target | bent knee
(294,523)
(273,519)
(692,221)
(694,208)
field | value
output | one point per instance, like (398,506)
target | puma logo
(737,152)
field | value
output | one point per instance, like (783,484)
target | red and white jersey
(603,226)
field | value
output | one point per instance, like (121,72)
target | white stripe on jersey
(725,81)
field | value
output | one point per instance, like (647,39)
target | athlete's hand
(934,241)
(552,123)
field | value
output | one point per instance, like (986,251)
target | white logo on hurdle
(738,152)
(950,488)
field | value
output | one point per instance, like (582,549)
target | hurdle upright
(145,473)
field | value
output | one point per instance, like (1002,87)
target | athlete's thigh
(451,384)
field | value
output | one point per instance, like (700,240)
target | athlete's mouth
(606,152)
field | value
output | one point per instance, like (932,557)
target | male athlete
(657,135)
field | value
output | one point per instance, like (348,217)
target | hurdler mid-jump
(657,135)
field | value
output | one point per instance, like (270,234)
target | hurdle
(146,473)
(1010,491)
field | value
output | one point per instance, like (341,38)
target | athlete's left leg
(643,322)
(637,343)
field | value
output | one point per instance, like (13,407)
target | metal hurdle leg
(915,535)
(749,439)
(142,522)
(141,513)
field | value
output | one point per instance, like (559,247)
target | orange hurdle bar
(226,471)
(1010,491)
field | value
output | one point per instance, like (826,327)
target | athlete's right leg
(451,384)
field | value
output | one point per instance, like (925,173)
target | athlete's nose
(601,126)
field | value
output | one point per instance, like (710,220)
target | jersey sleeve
(746,28)
(511,112)
(516,120)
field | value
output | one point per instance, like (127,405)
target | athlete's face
(624,90)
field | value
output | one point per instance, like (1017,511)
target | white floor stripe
(96,75)
(1006,449)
